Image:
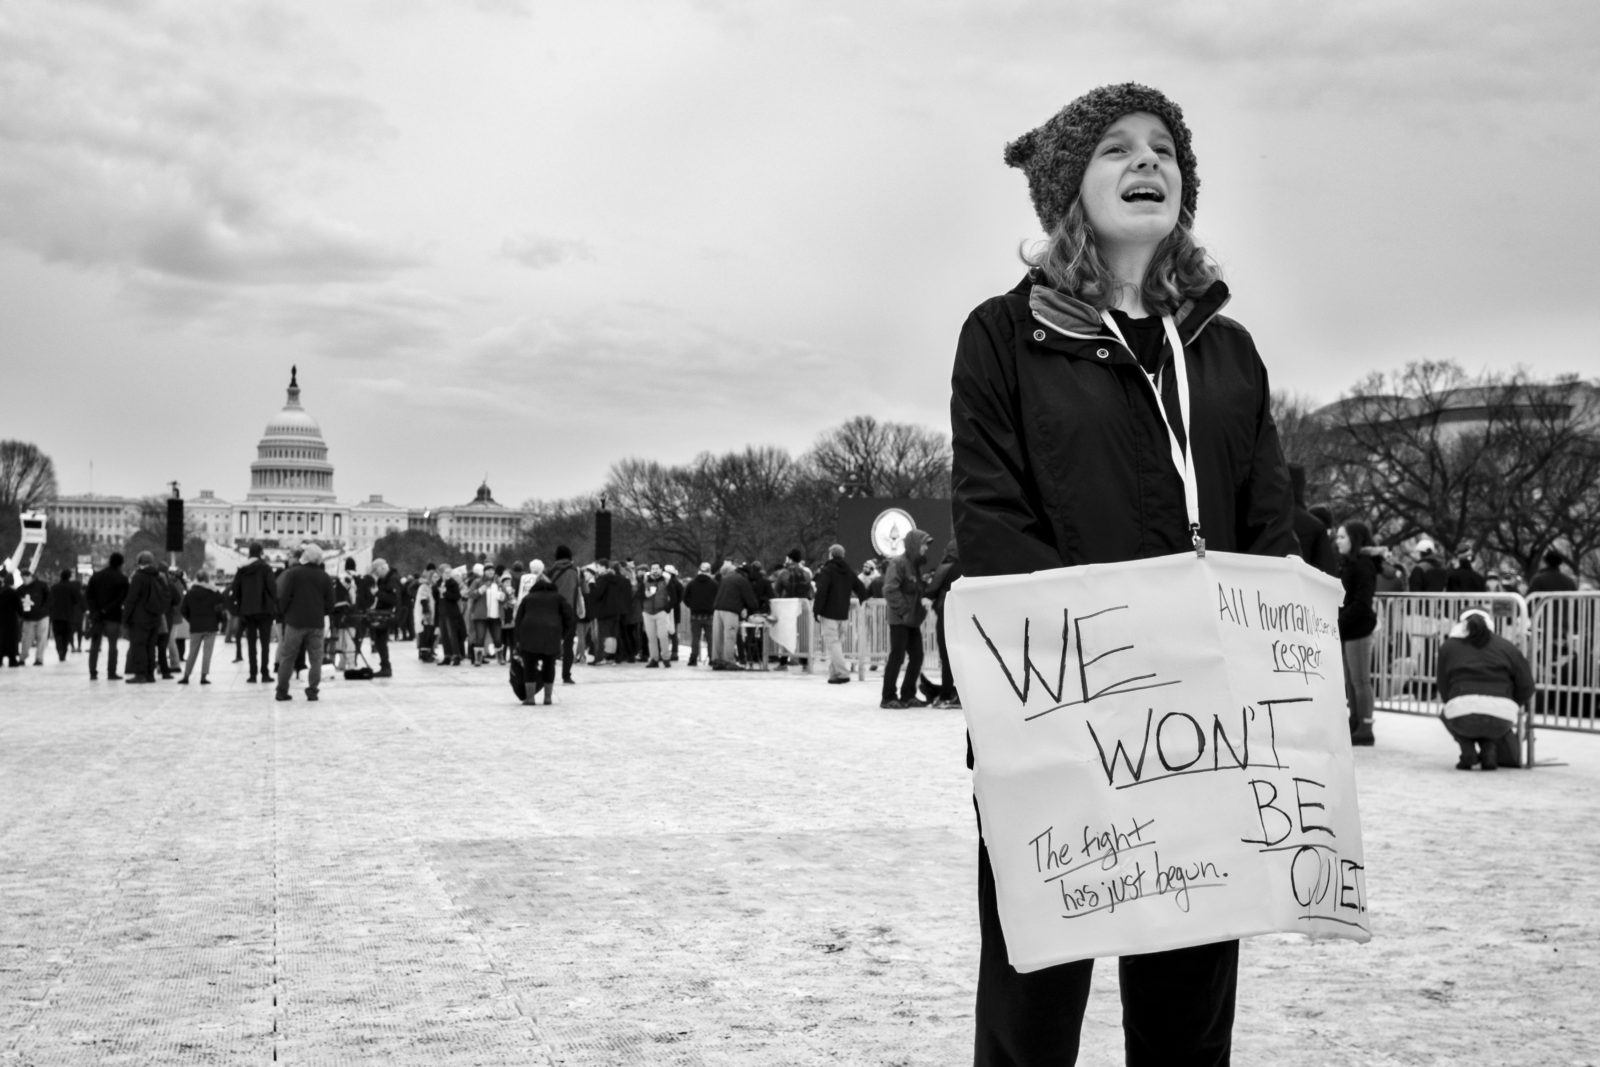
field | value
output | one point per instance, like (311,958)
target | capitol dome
(291,458)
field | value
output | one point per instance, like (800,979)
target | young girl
(1075,445)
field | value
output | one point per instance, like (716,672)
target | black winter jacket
(253,592)
(1060,455)
(700,595)
(107,589)
(1357,618)
(836,584)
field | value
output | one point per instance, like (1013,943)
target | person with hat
(1484,681)
(1429,575)
(1101,411)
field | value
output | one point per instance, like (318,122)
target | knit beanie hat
(1055,155)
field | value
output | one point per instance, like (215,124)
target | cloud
(178,141)
(538,252)
(342,321)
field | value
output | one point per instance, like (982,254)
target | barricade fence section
(1564,650)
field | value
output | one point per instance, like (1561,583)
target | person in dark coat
(451,620)
(1429,575)
(838,587)
(66,604)
(700,598)
(735,600)
(1484,681)
(254,596)
(387,601)
(205,608)
(142,611)
(1063,455)
(108,588)
(939,583)
(569,583)
(610,601)
(1550,578)
(1316,547)
(903,588)
(1357,621)
(544,623)
(10,621)
(305,600)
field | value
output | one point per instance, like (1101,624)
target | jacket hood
(917,543)
(1071,316)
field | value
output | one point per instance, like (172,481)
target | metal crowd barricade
(1565,655)
(1405,649)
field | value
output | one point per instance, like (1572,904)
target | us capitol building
(291,500)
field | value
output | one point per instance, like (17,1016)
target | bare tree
(883,458)
(27,476)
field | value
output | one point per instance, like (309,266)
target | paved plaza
(673,867)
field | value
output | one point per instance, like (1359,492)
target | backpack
(518,677)
(792,582)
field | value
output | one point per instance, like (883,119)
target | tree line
(1495,463)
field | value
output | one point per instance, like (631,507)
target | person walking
(836,585)
(1064,454)
(569,583)
(108,588)
(1484,681)
(305,600)
(253,595)
(543,625)
(1358,570)
(902,589)
(205,609)
(66,604)
(700,598)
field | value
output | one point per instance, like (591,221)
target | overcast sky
(523,239)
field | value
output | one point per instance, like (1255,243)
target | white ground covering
(673,867)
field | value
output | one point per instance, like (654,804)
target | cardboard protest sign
(1161,753)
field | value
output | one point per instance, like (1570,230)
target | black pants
(380,646)
(947,682)
(699,631)
(566,657)
(905,646)
(256,630)
(108,631)
(62,632)
(539,668)
(1177,1006)
(141,651)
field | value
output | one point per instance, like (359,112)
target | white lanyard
(1181,457)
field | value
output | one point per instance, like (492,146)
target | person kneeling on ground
(1484,681)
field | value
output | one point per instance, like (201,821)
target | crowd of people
(295,616)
